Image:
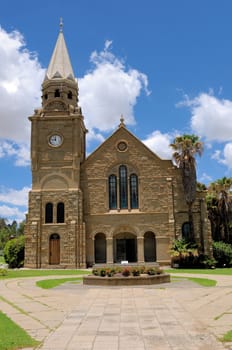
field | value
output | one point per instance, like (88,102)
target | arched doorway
(125,247)
(149,247)
(100,248)
(54,249)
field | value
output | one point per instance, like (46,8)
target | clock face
(55,140)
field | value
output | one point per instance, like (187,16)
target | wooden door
(55,249)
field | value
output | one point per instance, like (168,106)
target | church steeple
(60,65)
(60,89)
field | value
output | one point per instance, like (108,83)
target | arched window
(113,192)
(49,213)
(123,187)
(70,95)
(134,196)
(186,232)
(149,247)
(100,248)
(60,212)
(57,93)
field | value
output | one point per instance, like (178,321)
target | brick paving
(176,316)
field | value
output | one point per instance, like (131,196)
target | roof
(60,65)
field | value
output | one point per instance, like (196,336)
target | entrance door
(54,249)
(126,250)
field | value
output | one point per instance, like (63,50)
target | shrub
(110,272)
(222,253)
(95,272)
(102,272)
(151,271)
(206,262)
(136,271)
(14,252)
(126,272)
(3,272)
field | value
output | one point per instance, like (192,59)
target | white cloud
(20,152)
(225,156)
(15,197)
(211,117)
(11,213)
(159,143)
(205,178)
(109,90)
(20,83)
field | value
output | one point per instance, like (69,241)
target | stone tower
(55,232)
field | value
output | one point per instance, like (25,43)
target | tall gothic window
(134,196)
(60,213)
(113,192)
(49,213)
(123,187)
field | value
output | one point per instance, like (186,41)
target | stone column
(140,250)
(109,250)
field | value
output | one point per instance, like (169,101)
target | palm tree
(185,148)
(219,190)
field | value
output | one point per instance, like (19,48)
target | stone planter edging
(126,281)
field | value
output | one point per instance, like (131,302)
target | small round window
(122,146)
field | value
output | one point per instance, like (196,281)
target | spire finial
(121,121)
(61,24)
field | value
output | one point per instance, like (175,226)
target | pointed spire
(60,65)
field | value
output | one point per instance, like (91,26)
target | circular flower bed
(126,275)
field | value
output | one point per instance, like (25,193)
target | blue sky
(165,65)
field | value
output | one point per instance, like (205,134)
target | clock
(55,140)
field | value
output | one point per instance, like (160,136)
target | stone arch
(149,247)
(100,248)
(51,182)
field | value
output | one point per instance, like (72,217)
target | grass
(37,273)
(227,337)
(12,336)
(47,284)
(204,282)
(218,271)
(2,260)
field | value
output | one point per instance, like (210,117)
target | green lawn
(37,273)
(12,336)
(227,337)
(204,282)
(47,284)
(222,271)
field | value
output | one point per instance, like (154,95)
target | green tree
(14,252)
(9,231)
(185,149)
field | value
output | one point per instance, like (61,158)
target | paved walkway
(177,316)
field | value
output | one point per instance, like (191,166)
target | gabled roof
(60,65)
(117,133)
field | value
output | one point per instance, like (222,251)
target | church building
(121,203)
